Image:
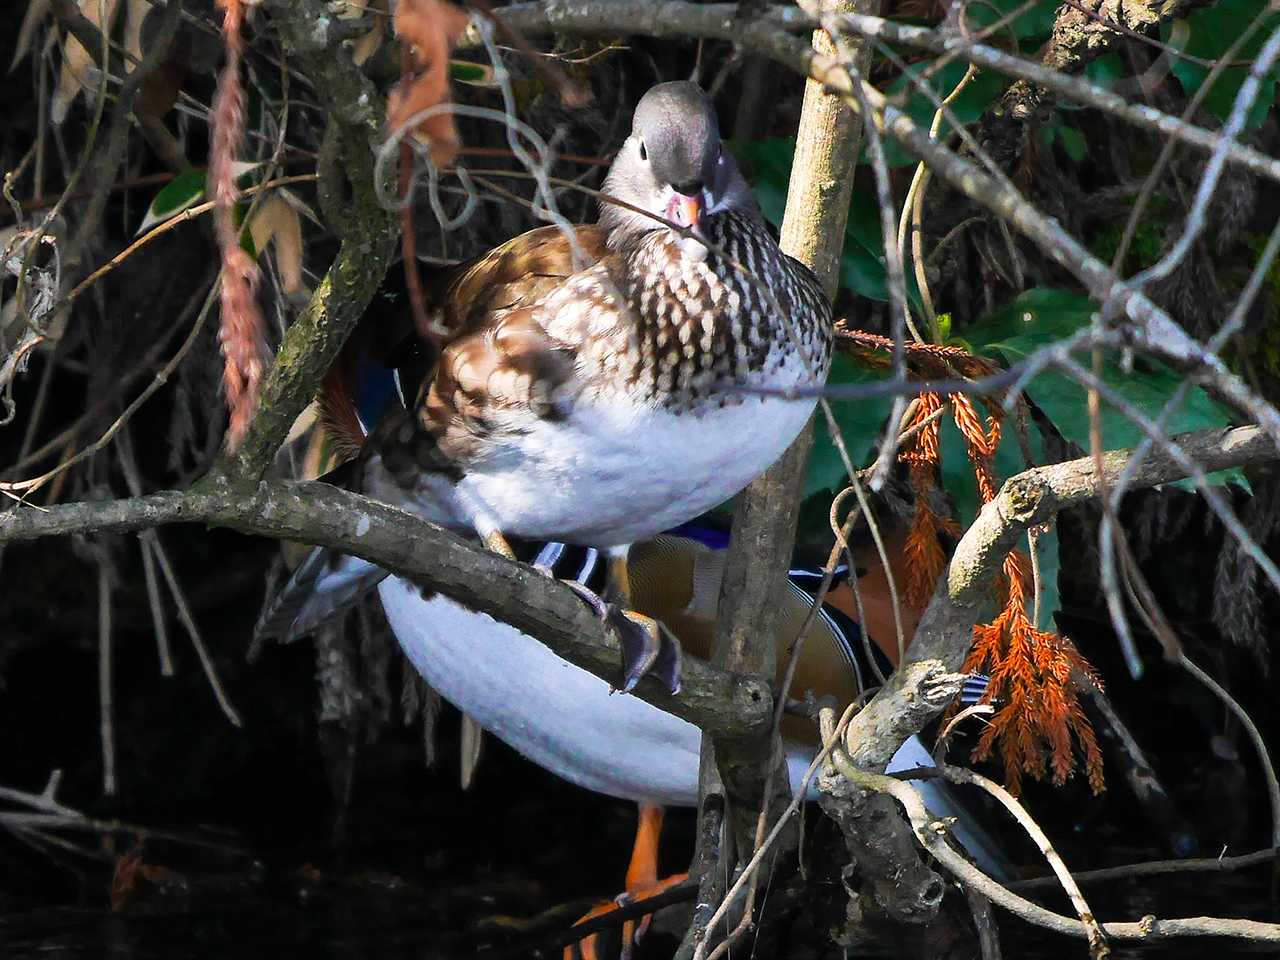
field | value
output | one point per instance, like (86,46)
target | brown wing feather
(510,368)
(520,272)
(498,361)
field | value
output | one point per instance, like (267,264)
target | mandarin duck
(569,721)
(595,386)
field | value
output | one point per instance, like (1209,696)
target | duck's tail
(362,386)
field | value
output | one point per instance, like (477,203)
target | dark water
(383,917)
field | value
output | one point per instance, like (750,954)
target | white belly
(565,719)
(615,474)
(561,717)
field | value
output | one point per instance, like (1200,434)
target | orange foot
(642,883)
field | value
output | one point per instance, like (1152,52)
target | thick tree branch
(441,561)
(764,524)
(1080,35)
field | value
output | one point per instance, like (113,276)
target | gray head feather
(674,149)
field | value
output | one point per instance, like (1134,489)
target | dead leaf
(134,14)
(366,46)
(430,28)
(275,221)
(36,12)
(472,743)
(77,63)
(124,879)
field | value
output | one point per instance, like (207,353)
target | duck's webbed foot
(648,647)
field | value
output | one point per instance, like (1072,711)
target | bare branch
(931,834)
(764,36)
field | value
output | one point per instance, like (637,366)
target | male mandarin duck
(595,384)
(574,724)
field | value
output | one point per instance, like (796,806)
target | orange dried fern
(1031,677)
(925,556)
(1040,722)
(430,28)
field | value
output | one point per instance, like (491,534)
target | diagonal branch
(317,513)
(766,36)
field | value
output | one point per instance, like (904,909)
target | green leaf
(862,266)
(1050,563)
(1043,316)
(968,107)
(1210,31)
(1031,26)
(861,423)
(472,74)
(238,213)
(187,189)
(1073,143)
(183,191)
(1105,72)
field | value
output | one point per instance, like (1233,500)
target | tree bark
(828,140)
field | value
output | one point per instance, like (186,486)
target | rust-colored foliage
(924,360)
(1031,677)
(430,28)
(1031,670)
(980,442)
(241,334)
(129,868)
(925,556)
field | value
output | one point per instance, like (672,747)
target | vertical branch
(827,145)
(106,716)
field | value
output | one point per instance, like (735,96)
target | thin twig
(106,719)
(193,631)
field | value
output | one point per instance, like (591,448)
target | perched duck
(594,384)
(590,396)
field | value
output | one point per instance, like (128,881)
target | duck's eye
(644,154)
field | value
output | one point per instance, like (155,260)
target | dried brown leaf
(430,28)
(366,46)
(276,221)
(77,63)
(37,10)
